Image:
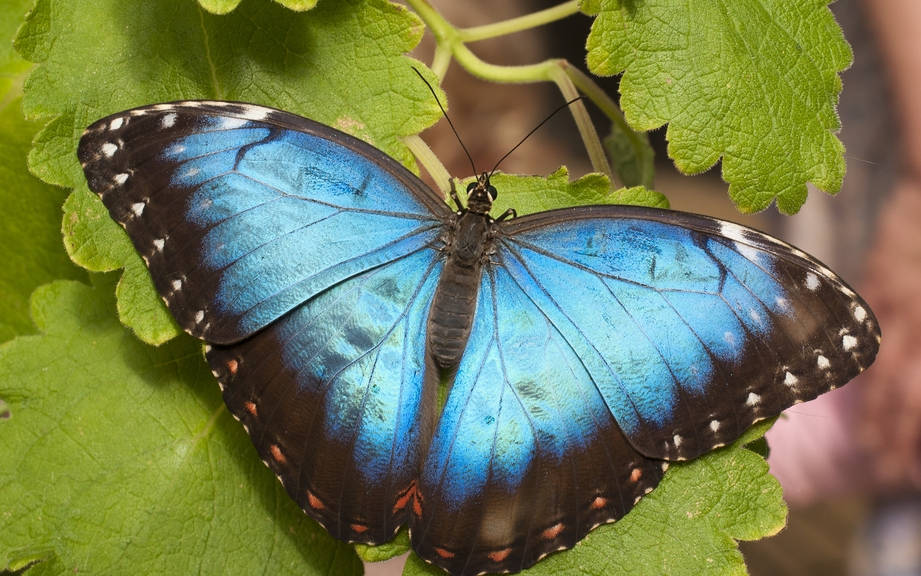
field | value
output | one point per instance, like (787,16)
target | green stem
(519,24)
(593,147)
(451,42)
(605,103)
(429,162)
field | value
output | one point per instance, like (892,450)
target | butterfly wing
(692,328)
(527,458)
(606,340)
(307,260)
(333,397)
(243,212)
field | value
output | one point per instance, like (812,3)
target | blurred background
(848,461)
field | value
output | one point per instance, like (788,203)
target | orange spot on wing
(598,503)
(404,498)
(251,408)
(277,454)
(444,553)
(552,532)
(358,528)
(635,475)
(314,502)
(417,503)
(499,555)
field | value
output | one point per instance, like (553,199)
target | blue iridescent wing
(692,328)
(334,399)
(243,212)
(307,260)
(606,340)
(527,458)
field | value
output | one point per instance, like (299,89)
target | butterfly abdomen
(453,307)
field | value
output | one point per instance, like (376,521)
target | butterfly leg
(510,213)
(455,196)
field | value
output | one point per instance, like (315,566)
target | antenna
(448,118)
(515,147)
(533,130)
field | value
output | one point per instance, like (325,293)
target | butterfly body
(584,348)
(454,303)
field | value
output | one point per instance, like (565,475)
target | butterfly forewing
(691,328)
(217,195)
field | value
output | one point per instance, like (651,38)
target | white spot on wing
(176,284)
(822,362)
(749,252)
(848,342)
(116,123)
(138,208)
(120,178)
(732,231)
(812,282)
(860,314)
(159,243)
(677,440)
(256,112)
(231,123)
(790,379)
(199,316)
(109,149)
(753,399)
(754,315)
(191,172)
(168,121)
(714,425)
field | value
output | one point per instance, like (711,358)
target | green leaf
(342,64)
(118,455)
(689,525)
(12,67)
(399,545)
(631,156)
(226,6)
(529,194)
(753,83)
(30,234)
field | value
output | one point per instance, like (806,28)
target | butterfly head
(480,195)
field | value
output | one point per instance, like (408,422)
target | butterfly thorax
(467,246)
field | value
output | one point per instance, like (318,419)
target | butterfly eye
(493,193)
(470,187)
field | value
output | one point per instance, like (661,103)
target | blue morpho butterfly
(586,347)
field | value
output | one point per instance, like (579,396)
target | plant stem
(519,24)
(451,42)
(429,162)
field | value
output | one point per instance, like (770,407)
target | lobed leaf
(528,194)
(750,82)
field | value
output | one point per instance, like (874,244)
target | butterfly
(500,385)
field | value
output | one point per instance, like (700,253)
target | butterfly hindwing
(691,328)
(526,458)
(217,195)
(332,395)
